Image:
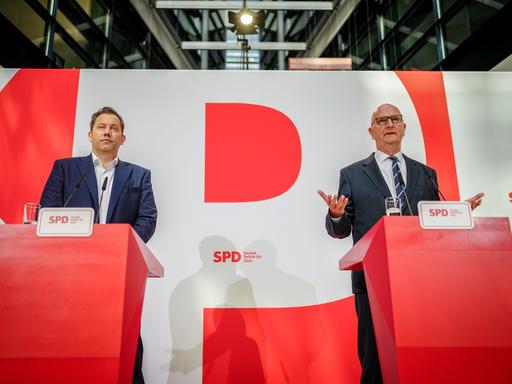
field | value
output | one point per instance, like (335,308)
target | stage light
(246,18)
(246,22)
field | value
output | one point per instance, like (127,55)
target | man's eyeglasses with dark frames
(383,120)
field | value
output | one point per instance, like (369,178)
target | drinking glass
(30,213)
(393,206)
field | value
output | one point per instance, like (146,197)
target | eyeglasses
(383,120)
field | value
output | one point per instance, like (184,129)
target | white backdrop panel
(164,113)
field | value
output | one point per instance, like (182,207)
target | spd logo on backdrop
(230,256)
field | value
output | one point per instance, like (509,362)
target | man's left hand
(476,200)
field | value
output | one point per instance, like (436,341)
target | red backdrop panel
(311,344)
(428,95)
(37,122)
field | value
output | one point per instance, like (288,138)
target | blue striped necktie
(399,189)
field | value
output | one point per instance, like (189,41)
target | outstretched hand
(476,200)
(336,206)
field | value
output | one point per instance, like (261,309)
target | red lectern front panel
(70,307)
(441,300)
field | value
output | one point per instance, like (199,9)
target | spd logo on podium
(67,222)
(445,215)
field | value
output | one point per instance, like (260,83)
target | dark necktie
(399,188)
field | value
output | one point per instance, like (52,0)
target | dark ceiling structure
(196,34)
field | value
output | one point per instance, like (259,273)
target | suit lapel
(120,178)
(372,170)
(412,176)
(87,168)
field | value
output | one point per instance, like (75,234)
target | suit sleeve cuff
(336,219)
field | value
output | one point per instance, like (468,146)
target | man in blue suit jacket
(119,192)
(131,200)
(359,204)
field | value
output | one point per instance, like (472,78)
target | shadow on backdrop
(214,285)
(294,334)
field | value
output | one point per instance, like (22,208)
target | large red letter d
(252,153)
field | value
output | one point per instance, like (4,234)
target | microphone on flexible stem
(431,178)
(103,187)
(77,185)
(401,181)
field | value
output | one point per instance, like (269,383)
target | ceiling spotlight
(246,22)
(246,18)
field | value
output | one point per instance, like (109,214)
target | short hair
(107,110)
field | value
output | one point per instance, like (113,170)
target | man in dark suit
(359,204)
(118,191)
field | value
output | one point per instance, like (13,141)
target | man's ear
(370,131)
(89,136)
(123,139)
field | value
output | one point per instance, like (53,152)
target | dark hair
(107,110)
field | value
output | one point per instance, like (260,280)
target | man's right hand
(336,206)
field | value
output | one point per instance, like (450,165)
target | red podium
(70,307)
(441,300)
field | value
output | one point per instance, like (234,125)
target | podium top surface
(14,237)
(405,233)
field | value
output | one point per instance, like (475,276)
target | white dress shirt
(386,164)
(101,174)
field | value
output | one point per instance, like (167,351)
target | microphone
(431,178)
(77,185)
(401,181)
(103,187)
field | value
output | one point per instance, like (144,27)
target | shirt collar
(97,162)
(380,156)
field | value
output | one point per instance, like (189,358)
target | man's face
(106,136)
(387,132)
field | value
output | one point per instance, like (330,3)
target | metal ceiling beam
(325,32)
(505,65)
(255,5)
(165,38)
(223,45)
